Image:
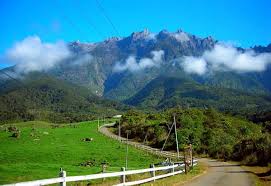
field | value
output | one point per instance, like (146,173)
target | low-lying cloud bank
(226,58)
(32,54)
(132,65)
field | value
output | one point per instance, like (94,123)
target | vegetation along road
(219,173)
(104,130)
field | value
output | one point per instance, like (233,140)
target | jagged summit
(112,39)
(142,35)
(179,30)
(145,35)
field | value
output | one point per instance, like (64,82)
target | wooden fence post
(185,164)
(62,174)
(122,177)
(152,172)
(173,169)
(103,169)
(191,155)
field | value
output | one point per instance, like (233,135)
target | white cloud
(194,65)
(132,65)
(32,54)
(80,60)
(227,58)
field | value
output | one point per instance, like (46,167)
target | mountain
(41,97)
(98,75)
(146,70)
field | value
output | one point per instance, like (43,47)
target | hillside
(40,97)
(167,92)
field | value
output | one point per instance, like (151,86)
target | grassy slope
(28,159)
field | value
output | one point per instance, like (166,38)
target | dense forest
(168,92)
(40,97)
(210,132)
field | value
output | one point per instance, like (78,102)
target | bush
(220,135)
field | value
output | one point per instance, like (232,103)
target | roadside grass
(43,148)
(257,173)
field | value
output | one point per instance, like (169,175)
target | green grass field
(42,149)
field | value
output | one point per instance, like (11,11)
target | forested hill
(166,92)
(40,97)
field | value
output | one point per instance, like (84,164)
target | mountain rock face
(97,74)
(144,58)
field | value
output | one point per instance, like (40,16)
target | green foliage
(168,92)
(220,135)
(44,98)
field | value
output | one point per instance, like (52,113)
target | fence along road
(64,179)
(104,130)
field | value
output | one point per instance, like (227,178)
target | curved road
(218,173)
(222,174)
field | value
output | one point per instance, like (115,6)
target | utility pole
(119,130)
(176,136)
(126,159)
(168,136)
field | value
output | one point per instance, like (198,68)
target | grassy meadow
(43,148)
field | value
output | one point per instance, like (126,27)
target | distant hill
(167,92)
(38,96)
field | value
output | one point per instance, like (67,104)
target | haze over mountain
(176,68)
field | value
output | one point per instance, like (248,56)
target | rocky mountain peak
(179,30)
(209,38)
(78,46)
(145,34)
(112,39)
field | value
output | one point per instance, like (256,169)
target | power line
(68,20)
(106,16)
(92,25)
(9,76)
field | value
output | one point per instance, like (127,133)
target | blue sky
(245,22)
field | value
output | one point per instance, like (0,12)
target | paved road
(222,174)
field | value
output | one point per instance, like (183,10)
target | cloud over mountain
(31,54)
(226,58)
(194,65)
(133,65)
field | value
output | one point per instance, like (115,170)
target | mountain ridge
(92,67)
